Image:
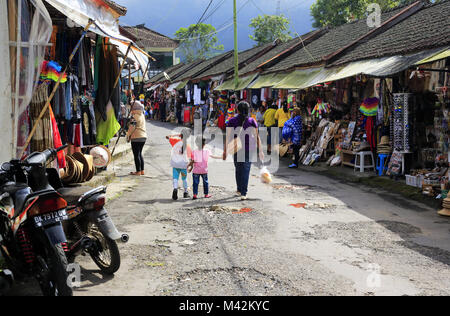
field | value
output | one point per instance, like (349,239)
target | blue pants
(196,178)
(242,176)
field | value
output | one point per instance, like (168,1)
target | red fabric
(370,128)
(221,122)
(57,142)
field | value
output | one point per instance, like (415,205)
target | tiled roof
(428,28)
(168,71)
(277,50)
(204,66)
(335,39)
(147,38)
(175,75)
(228,64)
(116,7)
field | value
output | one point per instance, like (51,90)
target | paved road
(339,240)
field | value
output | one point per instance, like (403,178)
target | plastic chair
(360,161)
(381,164)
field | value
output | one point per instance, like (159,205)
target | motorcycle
(31,216)
(89,228)
(6,276)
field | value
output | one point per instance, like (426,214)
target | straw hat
(101,155)
(445,212)
(283,149)
(69,171)
(91,173)
(86,167)
(385,141)
(78,178)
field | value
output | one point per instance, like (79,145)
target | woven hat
(385,141)
(283,149)
(78,178)
(86,170)
(101,155)
(91,173)
(69,171)
(445,212)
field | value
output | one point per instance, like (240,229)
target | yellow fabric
(282,117)
(269,118)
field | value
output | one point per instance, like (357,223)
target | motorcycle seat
(73,194)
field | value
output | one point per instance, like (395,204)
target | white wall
(6,136)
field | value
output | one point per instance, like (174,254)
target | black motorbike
(89,228)
(31,214)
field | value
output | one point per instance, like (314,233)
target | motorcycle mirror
(6,167)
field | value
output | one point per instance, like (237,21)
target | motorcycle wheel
(107,258)
(55,284)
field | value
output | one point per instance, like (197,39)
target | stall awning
(81,11)
(267,81)
(298,79)
(243,83)
(136,54)
(182,85)
(173,86)
(105,24)
(380,67)
(153,87)
(441,55)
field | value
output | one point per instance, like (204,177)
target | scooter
(31,216)
(89,228)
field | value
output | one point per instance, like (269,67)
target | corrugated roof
(428,28)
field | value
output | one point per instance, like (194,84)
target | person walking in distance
(244,130)
(137,135)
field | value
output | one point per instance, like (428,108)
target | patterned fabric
(370,107)
(293,130)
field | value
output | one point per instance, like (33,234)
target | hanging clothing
(106,129)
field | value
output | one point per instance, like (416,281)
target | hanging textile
(106,129)
(57,142)
(43,137)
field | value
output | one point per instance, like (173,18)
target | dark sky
(167,16)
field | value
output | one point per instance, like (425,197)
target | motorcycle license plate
(50,218)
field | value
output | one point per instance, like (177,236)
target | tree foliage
(338,12)
(198,41)
(268,28)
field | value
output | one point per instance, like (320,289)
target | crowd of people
(235,119)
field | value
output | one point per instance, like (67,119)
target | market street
(337,239)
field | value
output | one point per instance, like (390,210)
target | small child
(199,167)
(179,162)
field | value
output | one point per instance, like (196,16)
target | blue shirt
(293,130)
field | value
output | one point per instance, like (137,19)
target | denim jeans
(242,176)
(196,178)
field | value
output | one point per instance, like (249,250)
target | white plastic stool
(360,161)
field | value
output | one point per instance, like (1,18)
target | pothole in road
(147,256)
(231,281)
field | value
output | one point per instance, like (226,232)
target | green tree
(198,41)
(268,28)
(338,12)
